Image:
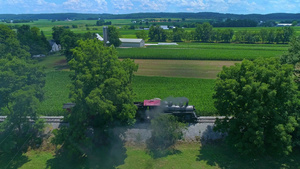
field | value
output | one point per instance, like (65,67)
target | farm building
(165,27)
(283,24)
(132,42)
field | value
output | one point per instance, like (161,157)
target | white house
(165,27)
(284,24)
(132,42)
(54,47)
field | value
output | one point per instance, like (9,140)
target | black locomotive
(148,109)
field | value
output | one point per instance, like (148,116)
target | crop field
(204,51)
(203,69)
(56,93)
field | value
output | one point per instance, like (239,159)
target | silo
(105,36)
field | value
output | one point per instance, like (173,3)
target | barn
(132,42)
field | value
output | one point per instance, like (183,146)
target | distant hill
(200,15)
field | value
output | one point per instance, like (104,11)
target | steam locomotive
(179,107)
(148,109)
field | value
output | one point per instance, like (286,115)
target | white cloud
(122,4)
(85,5)
(149,5)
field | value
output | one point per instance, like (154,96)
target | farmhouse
(165,27)
(54,47)
(283,24)
(132,42)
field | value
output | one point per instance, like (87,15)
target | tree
(34,39)
(271,36)
(178,34)
(259,100)
(263,35)
(288,32)
(293,56)
(204,32)
(113,36)
(166,130)
(21,83)
(158,34)
(207,31)
(279,35)
(100,22)
(141,34)
(68,40)
(294,23)
(9,45)
(57,32)
(226,35)
(216,35)
(101,89)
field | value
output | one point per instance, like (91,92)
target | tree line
(205,33)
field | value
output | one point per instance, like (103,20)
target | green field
(204,69)
(198,91)
(205,51)
(46,26)
(211,156)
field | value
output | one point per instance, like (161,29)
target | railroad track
(59,119)
(208,119)
(48,119)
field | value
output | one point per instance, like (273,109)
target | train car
(148,109)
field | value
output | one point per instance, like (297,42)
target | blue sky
(135,6)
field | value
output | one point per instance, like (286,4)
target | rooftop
(131,40)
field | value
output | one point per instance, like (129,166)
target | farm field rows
(205,52)
(181,68)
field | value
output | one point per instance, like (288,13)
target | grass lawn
(188,155)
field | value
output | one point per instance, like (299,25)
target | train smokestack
(186,103)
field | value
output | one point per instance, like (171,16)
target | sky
(136,6)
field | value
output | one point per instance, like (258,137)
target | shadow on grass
(219,154)
(10,161)
(162,153)
(61,67)
(106,157)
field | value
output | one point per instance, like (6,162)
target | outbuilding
(132,42)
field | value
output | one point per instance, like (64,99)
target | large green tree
(34,39)
(21,83)
(101,89)
(293,56)
(113,36)
(178,34)
(9,45)
(141,34)
(259,100)
(158,34)
(204,32)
